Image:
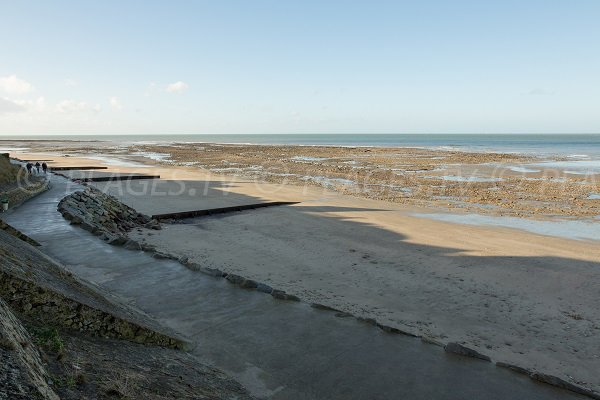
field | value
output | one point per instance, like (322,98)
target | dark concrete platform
(70,168)
(221,210)
(102,176)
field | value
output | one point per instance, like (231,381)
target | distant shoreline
(490,183)
(545,145)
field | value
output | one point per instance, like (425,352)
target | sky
(323,66)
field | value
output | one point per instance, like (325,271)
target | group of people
(37,166)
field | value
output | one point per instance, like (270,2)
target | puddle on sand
(524,170)
(323,180)
(568,229)
(458,178)
(398,188)
(575,167)
(302,158)
(116,162)
(153,156)
(11,149)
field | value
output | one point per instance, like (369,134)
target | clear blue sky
(299,66)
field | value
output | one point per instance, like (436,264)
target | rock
(342,314)
(161,256)
(211,271)
(457,348)
(148,247)
(132,245)
(116,240)
(291,297)
(261,287)
(193,266)
(248,284)
(370,321)
(88,227)
(100,213)
(281,295)
(183,260)
(278,294)
(235,279)
(153,225)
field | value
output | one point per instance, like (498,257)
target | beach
(484,182)
(520,297)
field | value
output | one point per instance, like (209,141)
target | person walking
(37,166)
(29,167)
(45,167)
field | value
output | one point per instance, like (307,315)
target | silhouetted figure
(45,167)
(29,167)
(37,166)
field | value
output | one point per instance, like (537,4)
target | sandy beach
(519,297)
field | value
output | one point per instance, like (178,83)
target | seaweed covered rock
(103,215)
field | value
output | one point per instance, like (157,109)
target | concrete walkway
(278,350)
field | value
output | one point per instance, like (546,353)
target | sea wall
(35,287)
(16,233)
(21,194)
(22,374)
(57,310)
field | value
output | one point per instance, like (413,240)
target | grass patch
(124,385)
(49,338)
(66,381)
(8,171)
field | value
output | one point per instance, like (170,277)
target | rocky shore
(489,183)
(482,182)
(103,215)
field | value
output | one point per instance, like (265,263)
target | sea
(576,145)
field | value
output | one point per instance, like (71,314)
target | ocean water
(575,146)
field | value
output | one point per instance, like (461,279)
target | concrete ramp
(70,168)
(103,176)
(172,197)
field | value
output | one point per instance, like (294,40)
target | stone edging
(20,195)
